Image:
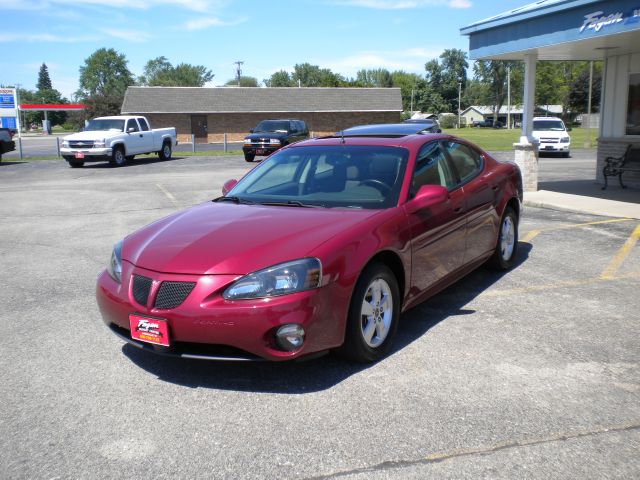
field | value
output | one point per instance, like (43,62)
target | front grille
(549,140)
(140,289)
(172,294)
(80,143)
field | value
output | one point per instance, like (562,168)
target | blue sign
(8,122)
(7,101)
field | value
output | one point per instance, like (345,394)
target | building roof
(252,99)
(515,109)
(558,30)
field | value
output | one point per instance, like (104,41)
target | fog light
(290,337)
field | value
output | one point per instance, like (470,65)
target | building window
(633,105)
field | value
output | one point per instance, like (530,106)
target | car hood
(92,135)
(226,238)
(256,136)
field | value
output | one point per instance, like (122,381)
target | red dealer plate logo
(150,330)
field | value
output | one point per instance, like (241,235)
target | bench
(616,166)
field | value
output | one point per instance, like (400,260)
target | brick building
(209,113)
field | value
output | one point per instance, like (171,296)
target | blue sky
(343,35)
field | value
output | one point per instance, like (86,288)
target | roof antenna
(342,136)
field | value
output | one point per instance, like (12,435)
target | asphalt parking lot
(530,374)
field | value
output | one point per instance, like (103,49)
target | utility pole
(411,103)
(587,143)
(459,96)
(508,98)
(17,100)
(238,70)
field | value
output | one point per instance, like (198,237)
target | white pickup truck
(117,139)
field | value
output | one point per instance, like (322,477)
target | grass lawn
(491,139)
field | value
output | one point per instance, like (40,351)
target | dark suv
(270,135)
(6,144)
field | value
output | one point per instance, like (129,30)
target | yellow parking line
(553,286)
(168,194)
(615,263)
(527,237)
(530,236)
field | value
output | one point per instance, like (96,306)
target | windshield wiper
(292,203)
(233,199)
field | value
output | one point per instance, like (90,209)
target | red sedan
(320,247)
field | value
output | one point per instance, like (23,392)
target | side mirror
(228,185)
(251,130)
(428,196)
(131,130)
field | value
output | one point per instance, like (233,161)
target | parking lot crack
(483,450)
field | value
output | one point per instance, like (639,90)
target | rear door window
(467,161)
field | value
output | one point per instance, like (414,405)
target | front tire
(507,247)
(165,153)
(118,158)
(248,157)
(373,315)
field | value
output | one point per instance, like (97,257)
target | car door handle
(457,209)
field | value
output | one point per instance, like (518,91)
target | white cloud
(404,4)
(128,35)
(410,60)
(43,37)
(202,23)
(192,5)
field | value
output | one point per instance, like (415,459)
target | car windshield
(105,124)
(270,126)
(348,176)
(548,125)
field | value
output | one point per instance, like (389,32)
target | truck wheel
(248,157)
(165,153)
(118,158)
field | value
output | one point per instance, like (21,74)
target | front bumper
(87,154)
(261,149)
(554,147)
(206,326)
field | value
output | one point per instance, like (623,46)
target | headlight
(115,263)
(247,141)
(274,141)
(565,140)
(65,144)
(282,279)
(98,144)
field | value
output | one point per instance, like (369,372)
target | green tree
(280,78)
(446,76)
(409,84)
(104,79)
(307,75)
(244,82)
(378,78)
(44,81)
(579,89)
(159,72)
(493,74)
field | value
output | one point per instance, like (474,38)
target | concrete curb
(581,204)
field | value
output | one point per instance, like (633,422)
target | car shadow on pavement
(319,373)
(136,162)
(5,162)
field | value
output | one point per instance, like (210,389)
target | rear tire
(373,315)
(248,157)
(118,158)
(507,246)
(165,153)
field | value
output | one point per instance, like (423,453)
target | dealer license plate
(548,147)
(259,151)
(79,155)
(150,330)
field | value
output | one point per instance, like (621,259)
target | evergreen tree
(44,81)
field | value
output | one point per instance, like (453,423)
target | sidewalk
(586,197)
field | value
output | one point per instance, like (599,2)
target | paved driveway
(530,374)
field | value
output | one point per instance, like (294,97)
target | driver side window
(432,168)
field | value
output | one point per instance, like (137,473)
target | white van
(552,135)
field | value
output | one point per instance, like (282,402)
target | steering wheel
(379,184)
